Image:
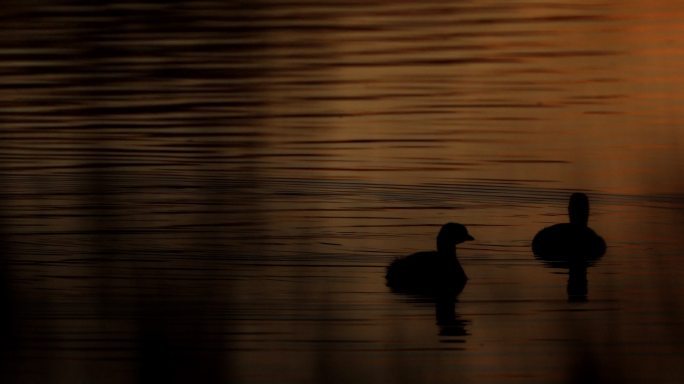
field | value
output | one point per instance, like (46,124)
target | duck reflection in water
(436,276)
(573,246)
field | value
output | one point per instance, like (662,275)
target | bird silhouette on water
(571,245)
(573,240)
(432,272)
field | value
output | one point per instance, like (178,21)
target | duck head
(578,209)
(452,234)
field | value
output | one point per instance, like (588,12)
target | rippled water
(210,191)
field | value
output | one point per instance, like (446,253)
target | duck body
(426,272)
(568,241)
(431,272)
(573,242)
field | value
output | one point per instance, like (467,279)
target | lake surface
(210,191)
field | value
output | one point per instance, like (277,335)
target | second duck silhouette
(571,241)
(571,245)
(432,272)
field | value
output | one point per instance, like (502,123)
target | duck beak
(468,238)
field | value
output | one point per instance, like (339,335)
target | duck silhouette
(573,241)
(572,246)
(433,272)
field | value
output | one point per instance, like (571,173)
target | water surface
(210,191)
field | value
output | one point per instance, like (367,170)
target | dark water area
(211,191)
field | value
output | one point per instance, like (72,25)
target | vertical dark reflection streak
(585,363)
(92,71)
(174,338)
(18,321)
(9,322)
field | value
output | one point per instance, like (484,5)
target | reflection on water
(210,191)
(450,325)
(448,320)
(578,286)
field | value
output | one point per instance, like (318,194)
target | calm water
(210,191)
